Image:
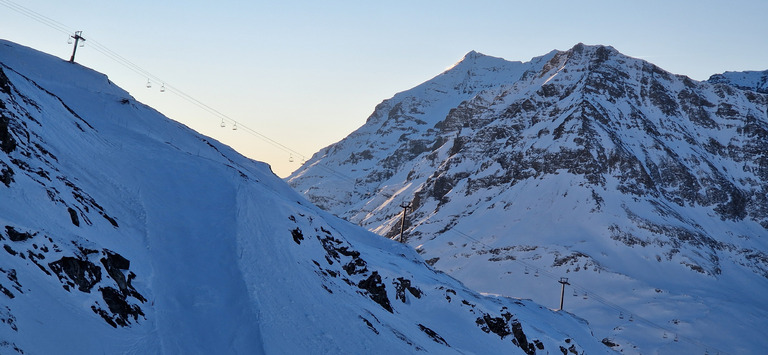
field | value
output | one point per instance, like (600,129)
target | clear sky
(307,73)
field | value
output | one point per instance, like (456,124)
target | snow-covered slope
(745,80)
(646,189)
(126,232)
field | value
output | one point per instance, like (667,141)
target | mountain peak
(586,163)
(593,52)
(474,59)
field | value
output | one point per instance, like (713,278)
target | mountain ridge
(589,160)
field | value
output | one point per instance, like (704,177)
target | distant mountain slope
(647,189)
(746,80)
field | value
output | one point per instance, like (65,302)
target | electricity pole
(405,207)
(563,281)
(77,38)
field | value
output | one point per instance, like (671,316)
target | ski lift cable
(37,16)
(110,54)
(170,88)
(596,296)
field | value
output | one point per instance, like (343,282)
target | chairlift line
(110,54)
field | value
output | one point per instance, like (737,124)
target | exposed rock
(297,235)
(82,273)
(377,291)
(122,311)
(432,334)
(16,236)
(402,284)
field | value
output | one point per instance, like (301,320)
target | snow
(515,238)
(224,256)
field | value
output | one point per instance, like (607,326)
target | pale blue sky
(307,73)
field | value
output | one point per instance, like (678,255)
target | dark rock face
(121,310)
(432,334)
(505,325)
(403,284)
(376,290)
(16,236)
(496,325)
(114,263)
(297,235)
(74,271)
(7,142)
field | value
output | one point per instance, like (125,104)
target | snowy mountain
(746,80)
(126,232)
(648,190)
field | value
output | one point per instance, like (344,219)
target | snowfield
(126,232)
